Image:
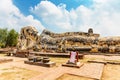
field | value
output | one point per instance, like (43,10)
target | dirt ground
(17,70)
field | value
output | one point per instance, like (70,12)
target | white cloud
(100,1)
(107,15)
(11,17)
(52,15)
(103,16)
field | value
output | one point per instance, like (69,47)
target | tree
(12,38)
(3,37)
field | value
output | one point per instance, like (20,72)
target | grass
(16,73)
(59,61)
(85,60)
(2,54)
(72,77)
(105,58)
(111,72)
(112,60)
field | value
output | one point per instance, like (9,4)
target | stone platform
(73,65)
(49,64)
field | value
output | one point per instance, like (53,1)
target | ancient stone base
(22,54)
(5,60)
(78,65)
(49,64)
(63,55)
(96,61)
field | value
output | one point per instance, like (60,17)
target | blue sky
(24,5)
(62,15)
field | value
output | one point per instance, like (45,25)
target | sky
(62,15)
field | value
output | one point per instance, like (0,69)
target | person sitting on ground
(73,58)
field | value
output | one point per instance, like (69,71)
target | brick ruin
(48,41)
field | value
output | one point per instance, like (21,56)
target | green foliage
(3,37)
(12,38)
(8,38)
